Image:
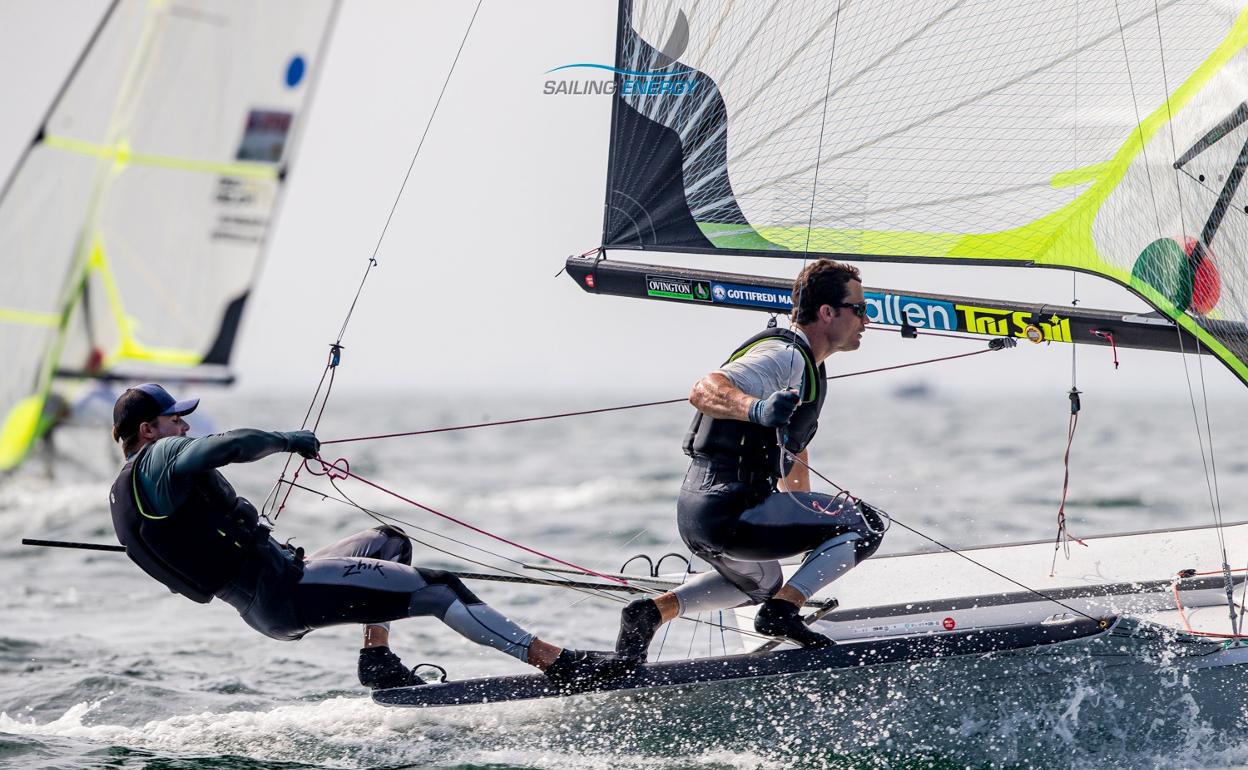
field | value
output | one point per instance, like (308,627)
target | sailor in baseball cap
(144,403)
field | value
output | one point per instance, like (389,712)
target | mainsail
(1110,140)
(132,229)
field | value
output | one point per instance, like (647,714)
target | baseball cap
(144,403)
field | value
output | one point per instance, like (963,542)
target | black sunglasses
(859,308)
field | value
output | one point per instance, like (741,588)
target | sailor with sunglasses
(745,502)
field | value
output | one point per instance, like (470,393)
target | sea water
(100,667)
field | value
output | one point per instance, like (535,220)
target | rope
(1108,337)
(605,409)
(495,423)
(939,544)
(913,363)
(335,357)
(381,518)
(336,348)
(1198,250)
(1062,541)
(1178,605)
(341,469)
(588,591)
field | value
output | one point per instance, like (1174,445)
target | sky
(509,182)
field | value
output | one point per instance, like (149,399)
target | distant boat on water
(915,391)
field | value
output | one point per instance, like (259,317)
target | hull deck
(1123,575)
(758,665)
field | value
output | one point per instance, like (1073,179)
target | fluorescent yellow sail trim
(1078,175)
(1060,239)
(28,317)
(129,348)
(18,431)
(122,155)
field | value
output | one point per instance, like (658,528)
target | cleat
(780,618)
(639,621)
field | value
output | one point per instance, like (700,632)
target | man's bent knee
(397,543)
(442,577)
(867,544)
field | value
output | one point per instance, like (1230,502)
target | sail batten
(1108,140)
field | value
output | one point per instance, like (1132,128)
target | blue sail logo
(898,310)
(661,79)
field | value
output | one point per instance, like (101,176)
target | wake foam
(354,732)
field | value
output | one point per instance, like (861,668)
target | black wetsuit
(182,522)
(729,511)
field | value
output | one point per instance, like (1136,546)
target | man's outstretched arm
(243,445)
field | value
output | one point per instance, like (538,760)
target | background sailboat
(133,226)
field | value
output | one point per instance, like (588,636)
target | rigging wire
(893,520)
(372,260)
(1139,123)
(1063,537)
(336,347)
(814,195)
(383,518)
(556,582)
(334,470)
(602,410)
(1198,250)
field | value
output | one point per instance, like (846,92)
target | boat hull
(1132,575)
(755,666)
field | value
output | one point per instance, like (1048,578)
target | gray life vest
(752,448)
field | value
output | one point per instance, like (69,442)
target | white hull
(1128,575)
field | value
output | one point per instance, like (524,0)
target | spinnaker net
(1109,139)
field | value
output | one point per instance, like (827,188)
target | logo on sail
(669,287)
(665,77)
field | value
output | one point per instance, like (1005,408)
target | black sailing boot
(639,621)
(780,618)
(586,667)
(381,669)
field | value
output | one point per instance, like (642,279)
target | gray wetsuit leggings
(743,528)
(364,578)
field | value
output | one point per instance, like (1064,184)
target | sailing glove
(776,410)
(304,442)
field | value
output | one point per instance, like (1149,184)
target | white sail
(133,228)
